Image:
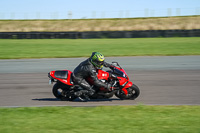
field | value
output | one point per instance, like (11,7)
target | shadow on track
(46,99)
(77,100)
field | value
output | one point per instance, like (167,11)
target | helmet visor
(100,64)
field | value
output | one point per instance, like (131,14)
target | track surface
(168,80)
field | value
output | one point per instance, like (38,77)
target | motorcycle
(65,89)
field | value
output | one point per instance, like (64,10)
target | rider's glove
(108,65)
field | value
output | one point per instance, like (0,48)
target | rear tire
(58,91)
(61,91)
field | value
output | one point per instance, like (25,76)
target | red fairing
(65,81)
(122,80)
(121,69)
(52,73)
(102,74)
(129,84)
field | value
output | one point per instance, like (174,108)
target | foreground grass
(111,119)
(60,48)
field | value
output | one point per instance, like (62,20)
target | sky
(76,9)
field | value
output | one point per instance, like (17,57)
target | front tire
(133,93)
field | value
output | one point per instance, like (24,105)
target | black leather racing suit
(86,69)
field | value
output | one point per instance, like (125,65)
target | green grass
(61,48)
(107,119)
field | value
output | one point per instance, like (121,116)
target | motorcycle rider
(88,68)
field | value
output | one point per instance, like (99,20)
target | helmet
(97,59)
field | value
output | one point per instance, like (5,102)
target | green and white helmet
(97,59)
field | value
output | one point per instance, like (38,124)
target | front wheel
(133,93)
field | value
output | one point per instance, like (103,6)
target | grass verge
(61,48)
(111,119)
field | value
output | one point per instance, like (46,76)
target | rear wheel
(62,92)
(133,93)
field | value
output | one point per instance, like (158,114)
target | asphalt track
(166,80)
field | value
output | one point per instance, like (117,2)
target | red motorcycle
(122,88)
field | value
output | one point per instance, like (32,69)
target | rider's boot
(78,93)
